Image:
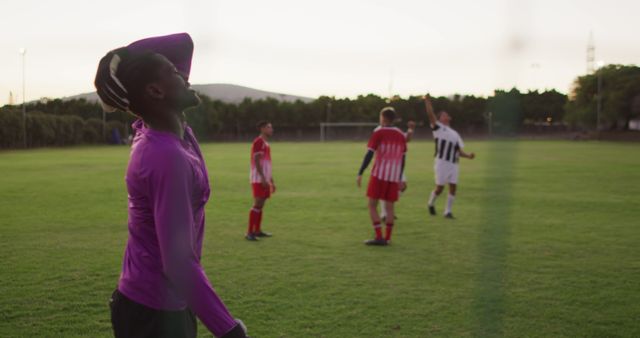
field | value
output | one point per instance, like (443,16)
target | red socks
(259,221)
(378,228)
(255,218)
(387,235)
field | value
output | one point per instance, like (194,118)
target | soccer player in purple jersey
(162,287)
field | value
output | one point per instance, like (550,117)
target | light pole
(599,103)
(322,125)
(23,53)
(488,116)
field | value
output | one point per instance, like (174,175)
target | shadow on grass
(489,295)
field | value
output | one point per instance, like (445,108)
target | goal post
(326,125)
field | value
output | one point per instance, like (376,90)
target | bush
(10,129)
(92,132)
(44,130)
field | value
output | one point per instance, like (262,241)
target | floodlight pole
(488,116)
(600,64)
(599,104)
(322,125)
(23,52)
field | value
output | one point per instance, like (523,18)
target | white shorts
(445,172)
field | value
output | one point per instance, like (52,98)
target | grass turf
(545,243)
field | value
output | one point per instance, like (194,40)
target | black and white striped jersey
(447,143)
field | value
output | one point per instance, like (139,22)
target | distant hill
(228,93)
(234,94)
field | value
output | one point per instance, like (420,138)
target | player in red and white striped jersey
(389,145)
(411,126)
(261,180)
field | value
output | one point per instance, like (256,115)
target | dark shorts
(261,192)
(131,319)
(382,190)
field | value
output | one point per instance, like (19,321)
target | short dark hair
(261,124)
(134,71)
(389,113)
(137,71)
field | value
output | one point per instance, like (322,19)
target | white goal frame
(324,125)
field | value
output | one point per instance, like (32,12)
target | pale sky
(337,48)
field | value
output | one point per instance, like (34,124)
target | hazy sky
(312,48)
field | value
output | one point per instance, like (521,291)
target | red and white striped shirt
(260,146)
(390,145)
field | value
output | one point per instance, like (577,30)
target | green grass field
(546,243)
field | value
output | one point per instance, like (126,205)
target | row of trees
(617,87)
(215,119)
(60,123)
(53,130)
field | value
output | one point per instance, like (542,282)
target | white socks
(432,198)
(450,199)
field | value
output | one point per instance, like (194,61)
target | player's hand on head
(411,124)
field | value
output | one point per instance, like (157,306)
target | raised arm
(177,48)
(429,108)
(411,126)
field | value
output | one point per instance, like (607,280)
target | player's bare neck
(264,136)
(171,123)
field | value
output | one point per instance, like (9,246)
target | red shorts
(382,190)
(259,191)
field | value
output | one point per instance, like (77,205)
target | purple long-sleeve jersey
(168,187)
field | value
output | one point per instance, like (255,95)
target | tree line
(617,87)
(61,123)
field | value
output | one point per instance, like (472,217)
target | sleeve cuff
(236,332)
